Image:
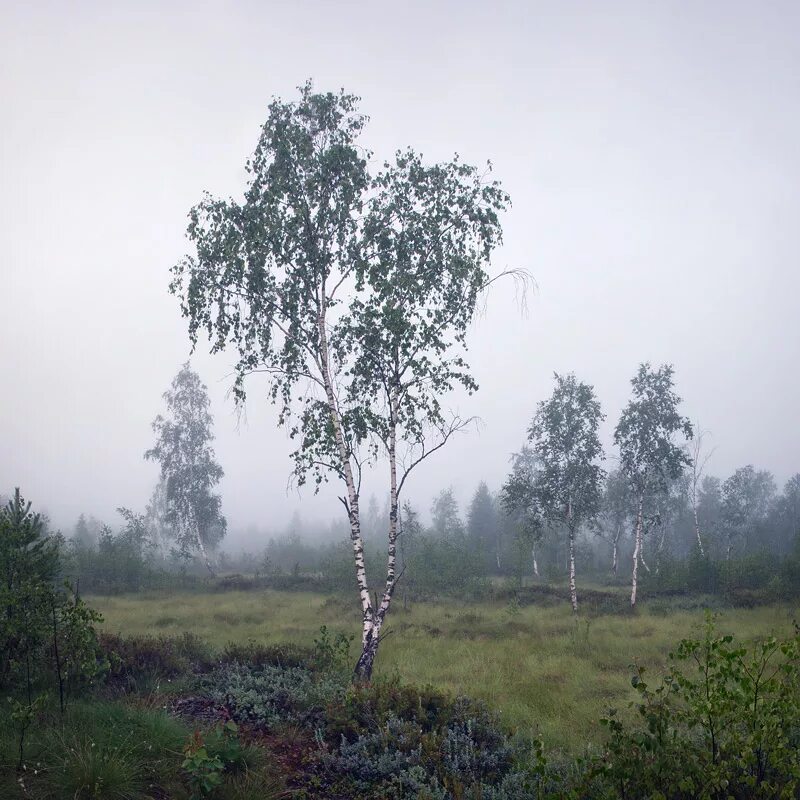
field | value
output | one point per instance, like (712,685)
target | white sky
(650,149)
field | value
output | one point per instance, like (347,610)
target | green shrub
(137,662)
(723,723)
(275,655)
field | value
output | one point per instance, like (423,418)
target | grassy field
(542,669)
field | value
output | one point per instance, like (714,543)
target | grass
(539,667)
(99,749)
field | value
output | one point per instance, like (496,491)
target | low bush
(723,723)
(139,662)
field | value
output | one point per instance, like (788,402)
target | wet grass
(541,668)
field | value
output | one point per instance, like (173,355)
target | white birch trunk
(697,532)
(369,639)
(615,544)
(535,563)
(573,594)
(202,548)
(636,552)
(391,561)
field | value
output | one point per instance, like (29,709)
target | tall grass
(541,668)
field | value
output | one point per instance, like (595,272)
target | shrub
(260,655)
(139,661)
(723,723)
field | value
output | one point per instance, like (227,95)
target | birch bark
(636,551)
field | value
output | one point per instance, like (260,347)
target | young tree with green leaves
(521,503)
(483,525)
(352,292)
(614,513)
(29,568)
(564,436)
(650,459)
(445,518)
(746,499)
(189,469)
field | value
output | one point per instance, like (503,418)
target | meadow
(540,668)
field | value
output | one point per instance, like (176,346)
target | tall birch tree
(567,483)
(650,459)
(189,469)
(353,293)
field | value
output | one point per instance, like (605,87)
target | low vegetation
(527,658)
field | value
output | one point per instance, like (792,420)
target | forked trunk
(369,642)
(637,546)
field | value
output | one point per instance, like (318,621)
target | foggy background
(650,150)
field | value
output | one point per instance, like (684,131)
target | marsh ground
(538,666)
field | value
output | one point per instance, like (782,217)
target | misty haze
(400,401)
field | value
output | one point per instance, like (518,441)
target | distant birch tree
(353,293)
(565,478)
(615,513)
(746,499)
(521,503)
(650,459)
(698,461)
(189,469)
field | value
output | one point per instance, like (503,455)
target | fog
(650,150)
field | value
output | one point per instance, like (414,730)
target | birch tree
(564,437)
(615,513)
(698,461)
(521,503)
(746,499)
(352,292)
(650,459)
(189,469)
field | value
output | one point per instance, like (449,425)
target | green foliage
(723,723)
(332,654)
(564,438)
(80,661)
(140,662)
(649,458)
(29,565)
(189,470)
(91,771)
(203,770)
(122,561)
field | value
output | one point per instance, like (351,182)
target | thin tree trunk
(573,594)
(369,641)
(367,658)
(202,548)
(614,543)
(535,564)
(57,655)
(697,531)
(636,552)
(660,548)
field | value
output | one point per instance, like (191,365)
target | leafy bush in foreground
(723,723)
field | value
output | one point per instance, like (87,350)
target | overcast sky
(651,151)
